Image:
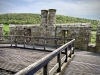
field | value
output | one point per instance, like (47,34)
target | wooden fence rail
(13,39)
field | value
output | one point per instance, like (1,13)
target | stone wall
(98,38)
(80,31)
(1,29)
(48,28)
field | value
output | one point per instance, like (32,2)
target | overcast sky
(89,9)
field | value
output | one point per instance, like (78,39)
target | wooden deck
(22,58)
(15,59)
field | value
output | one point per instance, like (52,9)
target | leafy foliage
(29,18)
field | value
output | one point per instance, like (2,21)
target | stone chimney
(44,16)
(52,17)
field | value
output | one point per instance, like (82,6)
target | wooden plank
(54,69)
(63,59)
(68,53)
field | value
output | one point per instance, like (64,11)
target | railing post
(59,62)
(56,41)
(24,40)
(44,44)
(73,48)
(15,41)
(11,40)
(70,51)
(45,70)
(64,40)
(66,49)
(33,43)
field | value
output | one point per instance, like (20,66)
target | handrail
(16,37)
(33,68)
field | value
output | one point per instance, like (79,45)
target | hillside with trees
(29,18)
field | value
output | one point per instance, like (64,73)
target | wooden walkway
(15,59)
(84,63)
(18,58)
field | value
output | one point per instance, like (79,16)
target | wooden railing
(67,49)
(13,40)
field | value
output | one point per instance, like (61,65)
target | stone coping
(62,25)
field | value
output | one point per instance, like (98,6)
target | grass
(93,37)
(6,30)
